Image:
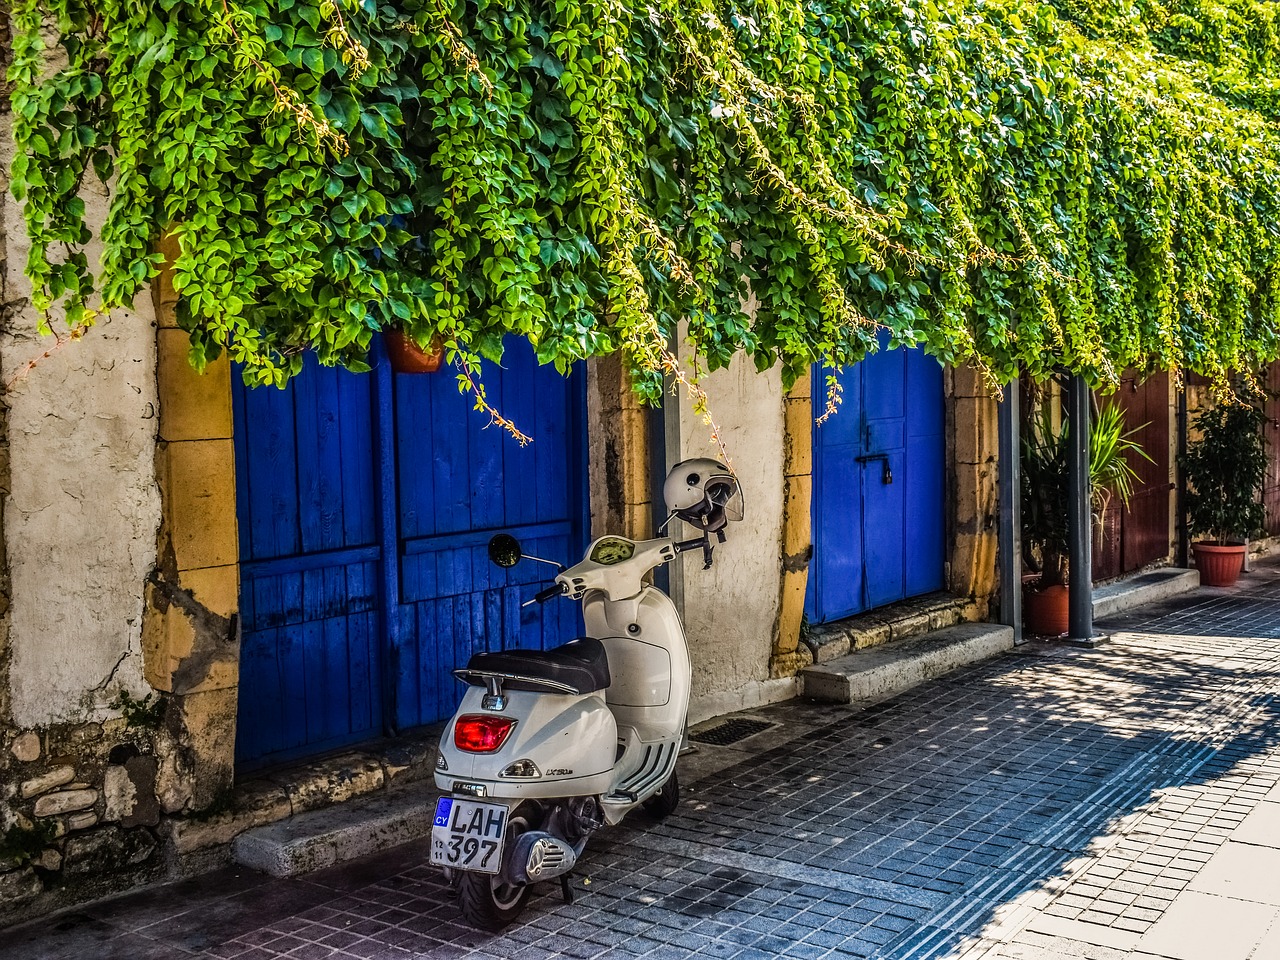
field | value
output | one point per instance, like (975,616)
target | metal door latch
(886,471)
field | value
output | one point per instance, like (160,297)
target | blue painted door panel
(365,505)
(309,659)
(460,483)
(878,521)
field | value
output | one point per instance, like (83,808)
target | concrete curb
(899,665)
(322,838)
(1123,595)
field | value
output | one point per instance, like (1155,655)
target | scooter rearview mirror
(504,550)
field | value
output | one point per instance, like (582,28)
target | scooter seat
(580,665)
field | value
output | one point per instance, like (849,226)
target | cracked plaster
(83,509)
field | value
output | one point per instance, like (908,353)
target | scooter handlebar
(542,596)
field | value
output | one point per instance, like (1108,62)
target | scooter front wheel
(663,803)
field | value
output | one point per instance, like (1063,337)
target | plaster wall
(83,508)
(731,610)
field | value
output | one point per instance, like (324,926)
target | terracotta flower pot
(407,357)
(1219,563)
(1045,611)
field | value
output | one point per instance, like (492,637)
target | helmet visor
(725,492)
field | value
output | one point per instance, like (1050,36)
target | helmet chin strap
(707,545)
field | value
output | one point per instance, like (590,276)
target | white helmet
(704,493)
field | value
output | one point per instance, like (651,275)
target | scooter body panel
(572,740)
(648,661)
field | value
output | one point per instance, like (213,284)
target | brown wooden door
(1131,539)
(1271,433)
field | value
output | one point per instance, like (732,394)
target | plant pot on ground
(1224,469)
(409,356)
(1046,503)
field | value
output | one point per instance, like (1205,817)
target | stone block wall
(118,589)
(972,453)
(82,807)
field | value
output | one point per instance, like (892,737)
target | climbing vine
(1015,184)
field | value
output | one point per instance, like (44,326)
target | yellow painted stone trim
(619,452)
(789,655)
(972,452)
(190,633)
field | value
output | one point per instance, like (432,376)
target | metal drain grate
(731,731)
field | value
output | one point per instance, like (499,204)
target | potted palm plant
(1046,503)
(1224,470)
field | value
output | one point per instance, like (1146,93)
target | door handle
(886,471)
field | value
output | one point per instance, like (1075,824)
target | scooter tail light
(481,733)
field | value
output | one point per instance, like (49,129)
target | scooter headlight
(522,769)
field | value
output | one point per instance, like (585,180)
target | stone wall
(91,757)
(973,444)
(731,611)
(619,452)
(81,810)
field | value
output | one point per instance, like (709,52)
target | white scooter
(549,746)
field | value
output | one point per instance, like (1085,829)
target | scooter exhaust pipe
(539,856)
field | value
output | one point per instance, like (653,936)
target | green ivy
(1093,187)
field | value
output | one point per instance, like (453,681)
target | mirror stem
(540,560)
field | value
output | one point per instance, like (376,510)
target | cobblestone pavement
(1051,803)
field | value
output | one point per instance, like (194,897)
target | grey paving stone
(1103,779)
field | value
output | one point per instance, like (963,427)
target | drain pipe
(1010,523)
(1079,514)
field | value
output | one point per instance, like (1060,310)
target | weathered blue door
(458,485)
(365,503)
(878,476)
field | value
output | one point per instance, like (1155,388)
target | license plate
(468,835)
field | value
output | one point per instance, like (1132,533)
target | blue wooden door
(365,503)
(878,475)
(459,484)
(310,664)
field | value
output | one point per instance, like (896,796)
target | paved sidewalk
(1055,802)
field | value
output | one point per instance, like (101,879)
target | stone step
(311,841)
(892,667)
(908,618)
(1123,595)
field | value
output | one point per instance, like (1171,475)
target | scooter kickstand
(566,889)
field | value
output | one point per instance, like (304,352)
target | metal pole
(1079,513)
(1010,526)
(1182,557)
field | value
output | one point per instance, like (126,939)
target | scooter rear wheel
(489,901)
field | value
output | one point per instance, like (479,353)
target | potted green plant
(1046,503)
(1224,470)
